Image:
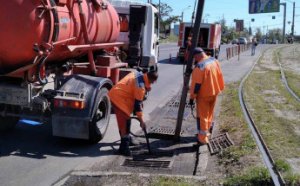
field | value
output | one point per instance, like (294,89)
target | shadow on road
(172,61)
(37,142)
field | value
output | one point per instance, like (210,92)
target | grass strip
(275,113)
(244,154)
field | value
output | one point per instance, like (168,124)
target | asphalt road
(30,156)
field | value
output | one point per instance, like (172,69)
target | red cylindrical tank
(26,24)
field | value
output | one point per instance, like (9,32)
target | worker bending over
(127,97)
(207,82)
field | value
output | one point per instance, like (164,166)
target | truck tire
(8,123)
(98,126)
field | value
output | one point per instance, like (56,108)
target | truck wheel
(99,124)
(8,123)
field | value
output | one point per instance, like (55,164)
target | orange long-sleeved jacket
(128,94)
(207,79)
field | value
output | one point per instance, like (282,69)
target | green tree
(258,34)
(274,34)
(227,33)
(166,19)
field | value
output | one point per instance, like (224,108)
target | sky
(215,10)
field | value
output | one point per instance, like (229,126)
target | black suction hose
(145,133)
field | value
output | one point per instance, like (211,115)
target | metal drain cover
(163,132)
(176,103)
(160,164)
(173,110)
(217,144)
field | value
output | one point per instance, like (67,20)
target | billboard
(239,25)
(263,6)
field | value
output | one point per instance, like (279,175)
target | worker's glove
(191,103)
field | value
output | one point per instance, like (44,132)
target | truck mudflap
(90,120)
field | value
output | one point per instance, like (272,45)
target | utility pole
(188,70)
(293,23)
(284,20)
(159,7)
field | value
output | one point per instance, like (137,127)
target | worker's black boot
(124,146)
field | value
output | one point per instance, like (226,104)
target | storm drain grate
(176,104)
(166,133)
(161,164)
(164,130)
(173,110)
(217,144)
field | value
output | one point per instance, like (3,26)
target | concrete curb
(145,175)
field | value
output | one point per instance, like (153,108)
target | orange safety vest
(128,94)
(207,79)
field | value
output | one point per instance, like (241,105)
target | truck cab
(139,31)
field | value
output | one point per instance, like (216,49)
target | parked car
(235,41)
(242,40)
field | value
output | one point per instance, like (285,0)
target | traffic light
(252,20)
(273,17)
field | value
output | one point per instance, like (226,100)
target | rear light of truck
(74,104)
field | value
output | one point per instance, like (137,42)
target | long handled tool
(145,133)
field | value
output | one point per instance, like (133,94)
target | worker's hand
(143,125)
(191,103)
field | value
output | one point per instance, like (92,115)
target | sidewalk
(167,158)
(235,69)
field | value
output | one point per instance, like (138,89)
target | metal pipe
(195,39)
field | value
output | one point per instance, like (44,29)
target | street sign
(239,25)
(263,6)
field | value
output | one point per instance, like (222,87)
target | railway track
(267,158)
(283,77)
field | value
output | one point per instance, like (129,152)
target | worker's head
(199,54)
(152,77)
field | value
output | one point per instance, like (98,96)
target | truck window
(156,24)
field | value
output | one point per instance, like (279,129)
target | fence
(236,50)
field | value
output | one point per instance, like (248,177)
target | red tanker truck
(59,58)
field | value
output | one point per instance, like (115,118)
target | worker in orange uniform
(127,97)
(207,82)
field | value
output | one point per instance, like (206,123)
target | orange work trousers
(205,114)
(123,121)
